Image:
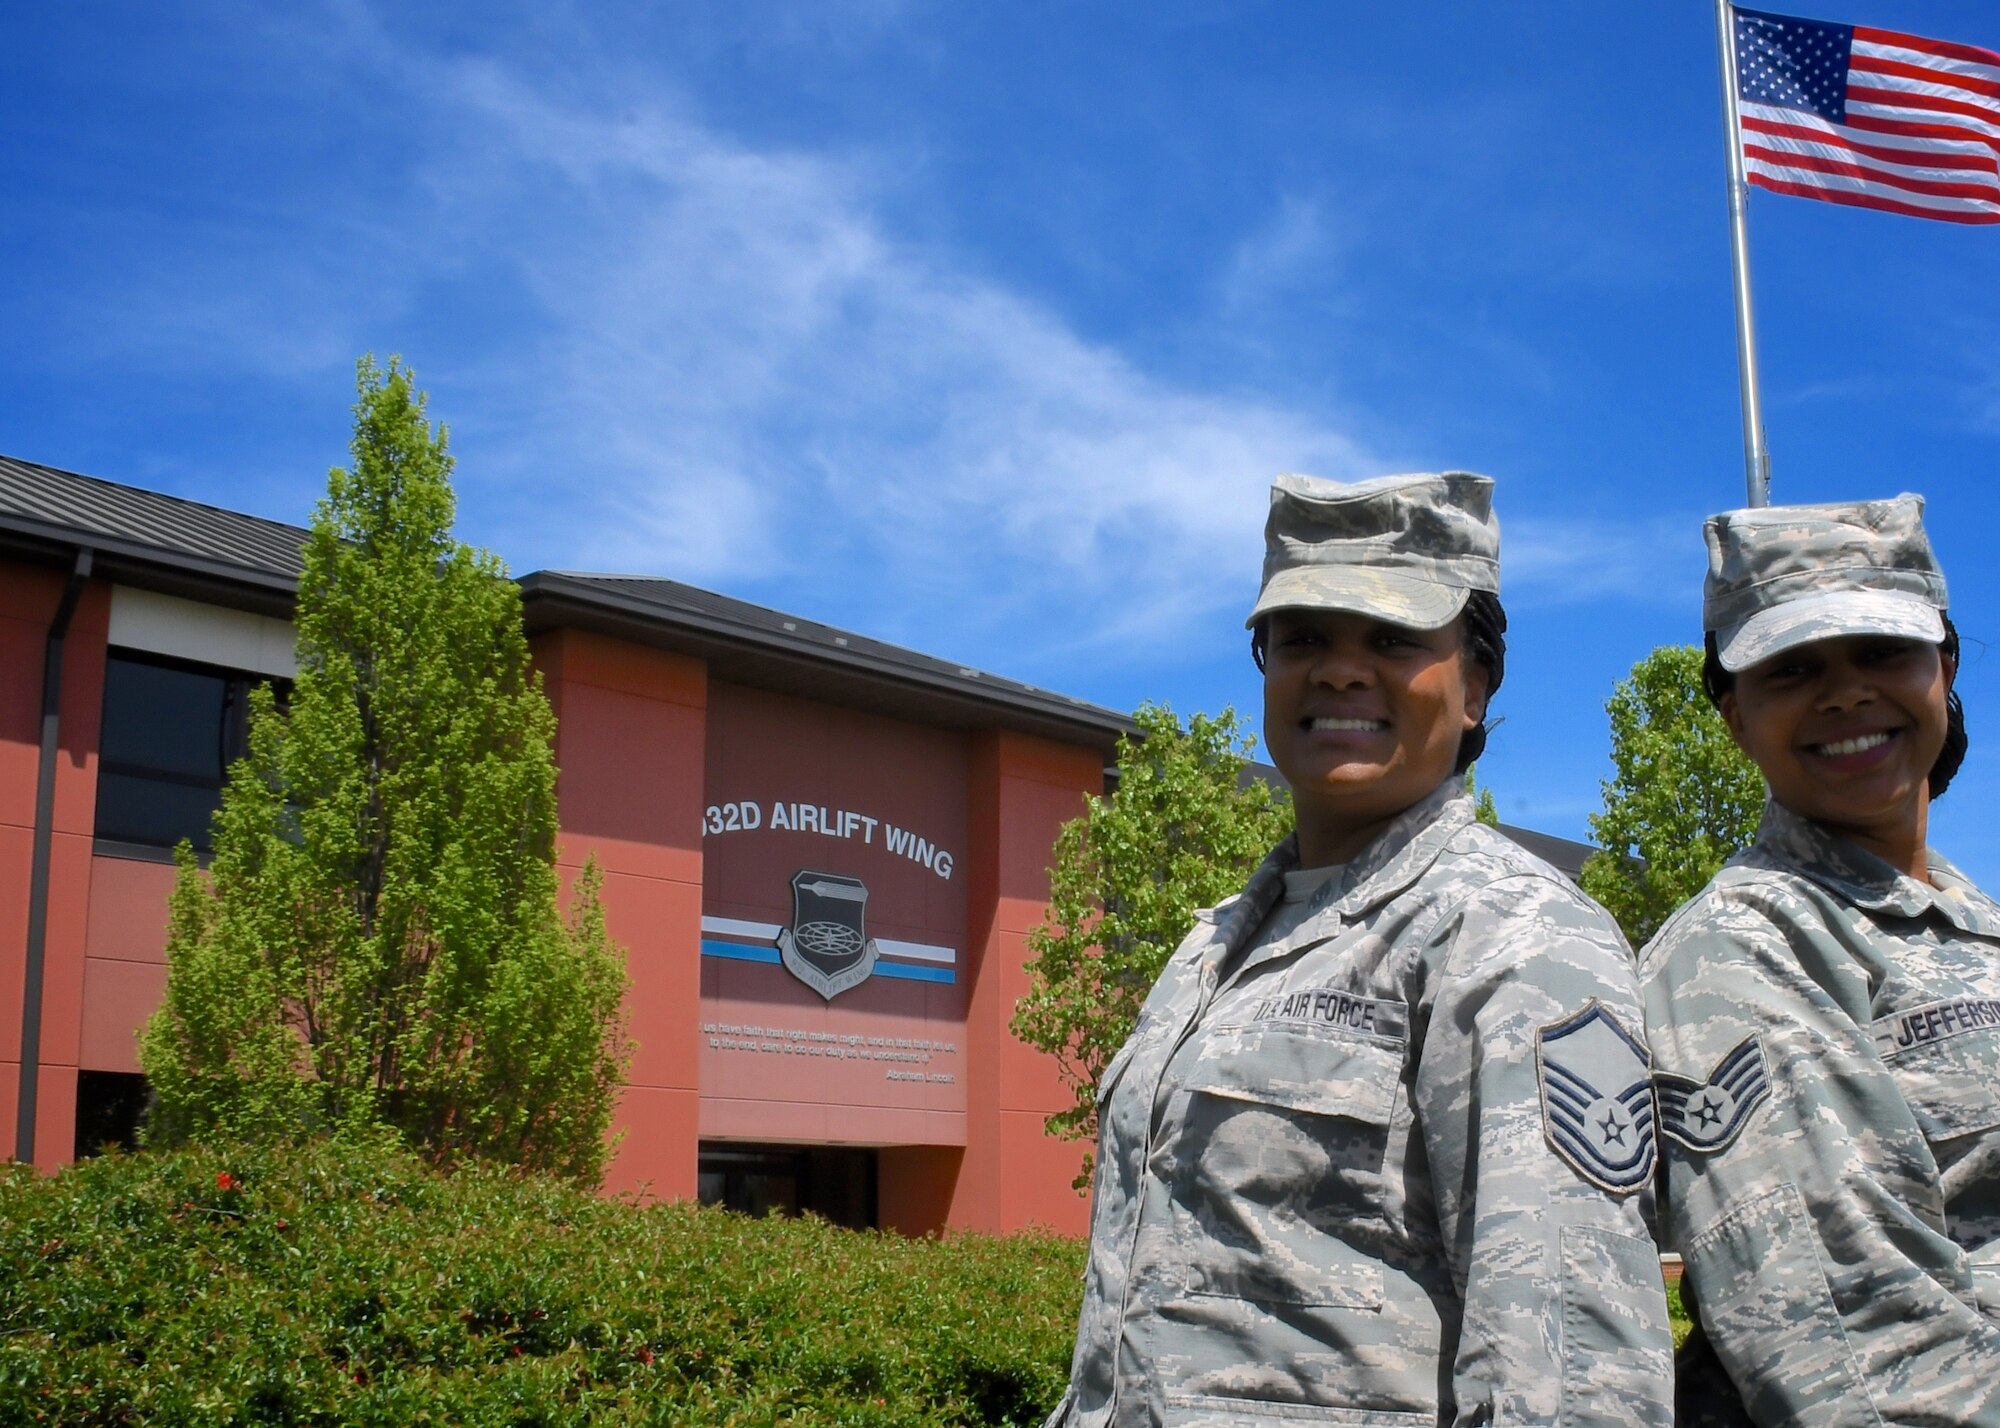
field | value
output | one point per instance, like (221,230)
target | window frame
(237,685)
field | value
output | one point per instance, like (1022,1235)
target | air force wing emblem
(826,947)
(1708,1115)
(1597,1098)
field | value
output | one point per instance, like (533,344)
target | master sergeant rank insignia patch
(1597,1098)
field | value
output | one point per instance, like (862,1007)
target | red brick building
(822,854)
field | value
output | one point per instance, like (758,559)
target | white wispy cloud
(1557,560)
(1293,247)
(748,378)
(721,361)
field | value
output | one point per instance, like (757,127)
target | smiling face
(1846,731)
(1364,719)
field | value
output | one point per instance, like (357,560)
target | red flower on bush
(225,1181)
(645,1354)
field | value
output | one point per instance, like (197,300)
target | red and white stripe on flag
(1869,117)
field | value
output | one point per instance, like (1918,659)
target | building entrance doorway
(837,1184)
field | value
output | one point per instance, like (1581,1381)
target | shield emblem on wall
(827,946)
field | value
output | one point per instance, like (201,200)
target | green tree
(1682,797)
(1184,829)
(378,943)
(1483,807)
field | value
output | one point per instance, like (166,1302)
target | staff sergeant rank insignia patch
(1597,1098)
(1707,1115)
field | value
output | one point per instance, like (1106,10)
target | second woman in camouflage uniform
(1825,1015)
(1379,1149)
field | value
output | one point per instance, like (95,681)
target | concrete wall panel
(118,999)
(1022,790)
(914,1187)
(657,1158)
(653,920)
(62,972)
(16,851)
(55,1118)
(629,742)
(128,909)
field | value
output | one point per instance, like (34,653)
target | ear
(1950,663)
(1477,686)
(1732,717)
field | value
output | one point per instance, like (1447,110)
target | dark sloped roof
(1566,855)
(769,648)
(134,530)
(187,548)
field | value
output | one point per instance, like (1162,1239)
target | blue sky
(983,328)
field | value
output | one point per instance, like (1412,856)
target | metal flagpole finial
(1756,458)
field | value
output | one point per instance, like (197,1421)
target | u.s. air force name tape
(1934,1021)
(1597,1098)
(1335,1007)
(1708,1115)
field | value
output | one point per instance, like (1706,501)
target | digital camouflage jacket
(1390,1169)
(1827,1037)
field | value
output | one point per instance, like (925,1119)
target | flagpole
(1756,459)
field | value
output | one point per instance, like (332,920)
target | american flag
(1869,117)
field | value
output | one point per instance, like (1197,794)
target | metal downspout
(38,878)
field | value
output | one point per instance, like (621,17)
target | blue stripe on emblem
(739,951)
(763,952)
(913,972)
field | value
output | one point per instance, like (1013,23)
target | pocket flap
(1300,1070)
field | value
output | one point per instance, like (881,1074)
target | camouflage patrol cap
(1784,576)
(1406,549)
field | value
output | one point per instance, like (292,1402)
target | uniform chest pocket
(1952,1085)
(1277,1168)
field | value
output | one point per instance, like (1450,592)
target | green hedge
(324,1285)
(332,1285)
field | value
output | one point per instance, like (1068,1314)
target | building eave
(819,664)
(124,561)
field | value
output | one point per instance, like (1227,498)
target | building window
(838,1185)
(171,730)
(109,1105)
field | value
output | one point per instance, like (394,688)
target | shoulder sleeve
(1799,1186)
(1565,1315)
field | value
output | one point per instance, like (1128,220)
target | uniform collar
(1857,876)
(1237,918)
(1399,855)
(1405,850)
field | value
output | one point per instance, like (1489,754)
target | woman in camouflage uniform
(1825,1015)
(1380,1147)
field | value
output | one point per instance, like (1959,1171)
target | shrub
(330,1284)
